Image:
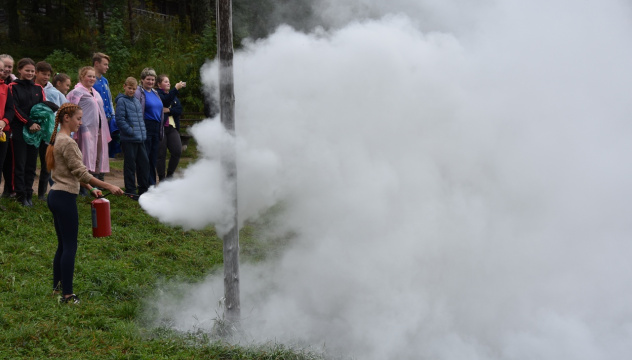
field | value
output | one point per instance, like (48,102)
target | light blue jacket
(54,95)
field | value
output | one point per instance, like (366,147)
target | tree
(200,14)
(227,115)
(13,20)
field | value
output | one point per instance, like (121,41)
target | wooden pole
(227,116)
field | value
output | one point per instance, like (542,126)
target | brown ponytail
(69,109)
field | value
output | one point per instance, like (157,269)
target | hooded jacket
(54,95)
(129,119)
(88,134)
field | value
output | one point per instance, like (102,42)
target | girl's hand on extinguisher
(115,189)
(96,193)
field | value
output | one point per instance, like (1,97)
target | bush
(64,61)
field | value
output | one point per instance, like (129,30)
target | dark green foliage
(116,46)
(67,32)
(64,61)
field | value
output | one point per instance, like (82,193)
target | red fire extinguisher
(101,225)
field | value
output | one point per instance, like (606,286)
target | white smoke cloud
(454,195)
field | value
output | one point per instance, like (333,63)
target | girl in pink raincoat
(94,134)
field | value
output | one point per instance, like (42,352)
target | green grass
(113,277)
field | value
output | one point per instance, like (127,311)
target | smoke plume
(457,182)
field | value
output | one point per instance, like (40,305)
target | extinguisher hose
(129,195)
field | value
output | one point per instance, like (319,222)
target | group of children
(145,118)
(75,157)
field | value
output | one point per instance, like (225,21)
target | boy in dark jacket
(129,119)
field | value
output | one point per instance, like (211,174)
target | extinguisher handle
(104,196)
(129,195)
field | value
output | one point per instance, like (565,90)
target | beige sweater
(69,169)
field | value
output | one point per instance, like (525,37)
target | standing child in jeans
(129,119)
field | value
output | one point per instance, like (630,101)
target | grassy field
(113,276)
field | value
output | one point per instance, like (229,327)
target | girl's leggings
(63,205)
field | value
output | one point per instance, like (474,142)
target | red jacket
(6,106)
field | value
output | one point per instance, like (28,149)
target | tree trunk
(13,20)
(61,14)
(182,14)
(227,115)
(50,19)
(200,10)
(130,21)
(100,18)
(213,12)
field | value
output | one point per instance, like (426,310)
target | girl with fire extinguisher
(64,160)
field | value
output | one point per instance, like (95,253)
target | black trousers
(135,167)
(63,205)
(24,162)
(170,141)
(4,146)
(152,145)
(44,177)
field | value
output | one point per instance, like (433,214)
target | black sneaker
(72,299)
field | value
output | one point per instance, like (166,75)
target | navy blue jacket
(170,100)
(129,119)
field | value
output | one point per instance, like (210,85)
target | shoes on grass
(72,299)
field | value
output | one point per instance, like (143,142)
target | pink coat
(88,134)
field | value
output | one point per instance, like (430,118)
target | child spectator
(25,93)
(64,160)
(57,89)
(94,134)
(7,74)
(43,71)
(129,119)
(6,115)
(171,139)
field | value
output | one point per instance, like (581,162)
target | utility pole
(229,161)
